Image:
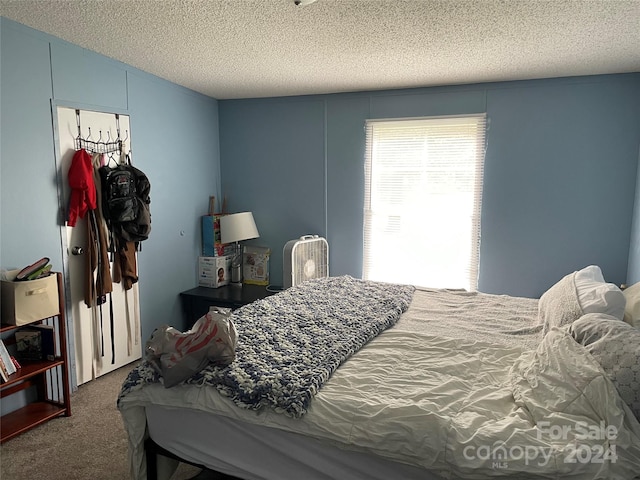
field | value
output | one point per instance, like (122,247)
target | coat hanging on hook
(83,190)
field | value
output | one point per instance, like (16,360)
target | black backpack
(125,202)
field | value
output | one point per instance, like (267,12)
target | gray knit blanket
(290,343)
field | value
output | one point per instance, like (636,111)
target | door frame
(62,220)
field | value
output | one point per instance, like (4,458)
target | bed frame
(152,450)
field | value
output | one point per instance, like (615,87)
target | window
(423,192)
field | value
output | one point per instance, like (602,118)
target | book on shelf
(16,363)
(8,365)
(4,374)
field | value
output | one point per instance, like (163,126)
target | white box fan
(304,259)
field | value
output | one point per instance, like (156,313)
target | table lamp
(235,228)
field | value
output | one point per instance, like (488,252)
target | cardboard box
(255,265)
(29,300)
(211,244)
(214,272)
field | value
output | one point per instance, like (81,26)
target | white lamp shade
(237,227)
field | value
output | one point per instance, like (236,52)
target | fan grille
(309,260)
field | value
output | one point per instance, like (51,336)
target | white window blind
(423,193)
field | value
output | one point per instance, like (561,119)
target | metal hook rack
(98,146)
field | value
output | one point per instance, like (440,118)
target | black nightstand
(196,302)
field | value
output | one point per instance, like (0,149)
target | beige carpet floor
(91,444)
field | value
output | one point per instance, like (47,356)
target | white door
(94,355)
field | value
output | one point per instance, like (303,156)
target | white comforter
(455,405)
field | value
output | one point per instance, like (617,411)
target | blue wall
(560,173)
(174,139)
(560,178)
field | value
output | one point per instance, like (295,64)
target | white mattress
(256,452)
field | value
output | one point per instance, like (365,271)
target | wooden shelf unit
(49,377)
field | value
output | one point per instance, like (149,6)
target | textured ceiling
(258,48)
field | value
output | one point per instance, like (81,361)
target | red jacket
(83,189)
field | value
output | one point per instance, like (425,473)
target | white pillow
(597,296)
(559,305)
(616,347)
(632,308)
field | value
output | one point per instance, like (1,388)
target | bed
(380,381)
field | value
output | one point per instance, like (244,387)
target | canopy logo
(500,455)
(600,446)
